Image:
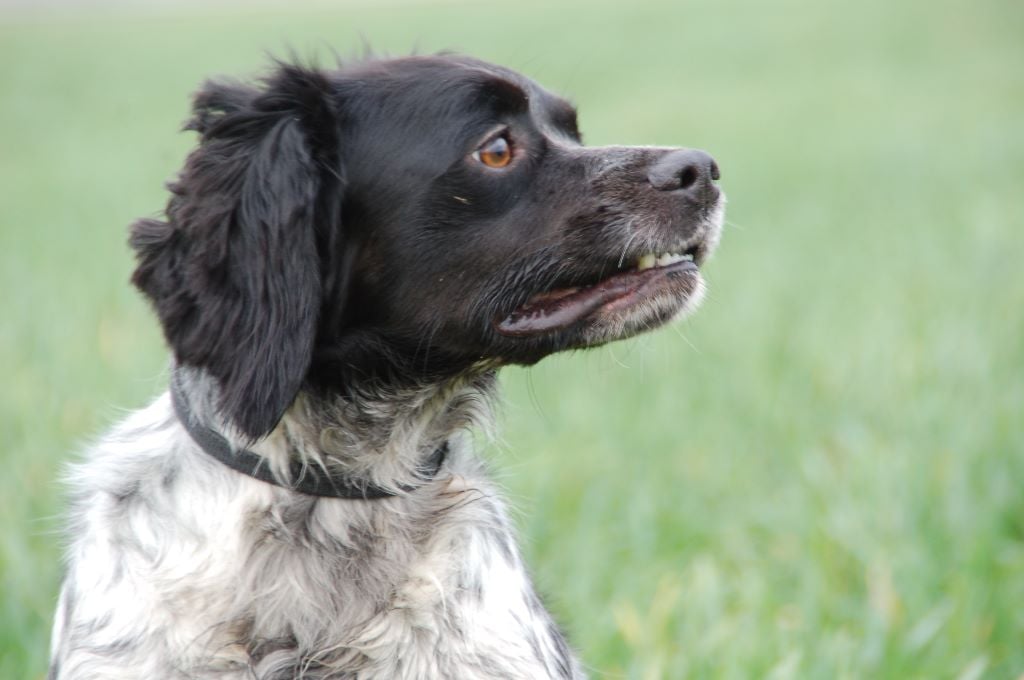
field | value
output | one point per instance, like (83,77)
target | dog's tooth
(647,261)
(688,257)
(666,259)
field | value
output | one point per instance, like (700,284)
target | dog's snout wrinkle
(687,170)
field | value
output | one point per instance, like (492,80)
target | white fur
(182,568)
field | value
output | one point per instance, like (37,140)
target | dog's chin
(616,307)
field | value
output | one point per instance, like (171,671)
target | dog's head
(417,215)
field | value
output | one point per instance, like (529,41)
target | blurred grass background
(821,475)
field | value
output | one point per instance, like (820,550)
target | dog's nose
(687,170)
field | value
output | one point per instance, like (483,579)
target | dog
(348,257)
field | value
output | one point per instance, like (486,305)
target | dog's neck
(376,434)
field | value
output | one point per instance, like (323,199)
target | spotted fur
(335,277)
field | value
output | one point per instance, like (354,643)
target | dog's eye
(496,153)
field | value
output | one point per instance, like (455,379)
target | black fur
(235,273)
(331,228)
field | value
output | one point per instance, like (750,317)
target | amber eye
(497,153)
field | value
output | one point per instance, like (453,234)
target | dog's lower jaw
(649,314)
(620,321)
(665,284)
(221,575)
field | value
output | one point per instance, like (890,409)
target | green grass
(821,475)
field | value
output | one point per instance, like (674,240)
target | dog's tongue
(561,308)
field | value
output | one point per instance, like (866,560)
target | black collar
(306,479)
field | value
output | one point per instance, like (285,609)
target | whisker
(625,248)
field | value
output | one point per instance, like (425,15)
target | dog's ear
(235,272)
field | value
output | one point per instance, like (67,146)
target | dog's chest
(202,573)
(434,590)
(460,605)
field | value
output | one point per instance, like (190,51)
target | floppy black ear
(234,272)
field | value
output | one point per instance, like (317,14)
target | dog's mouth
(652,274)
